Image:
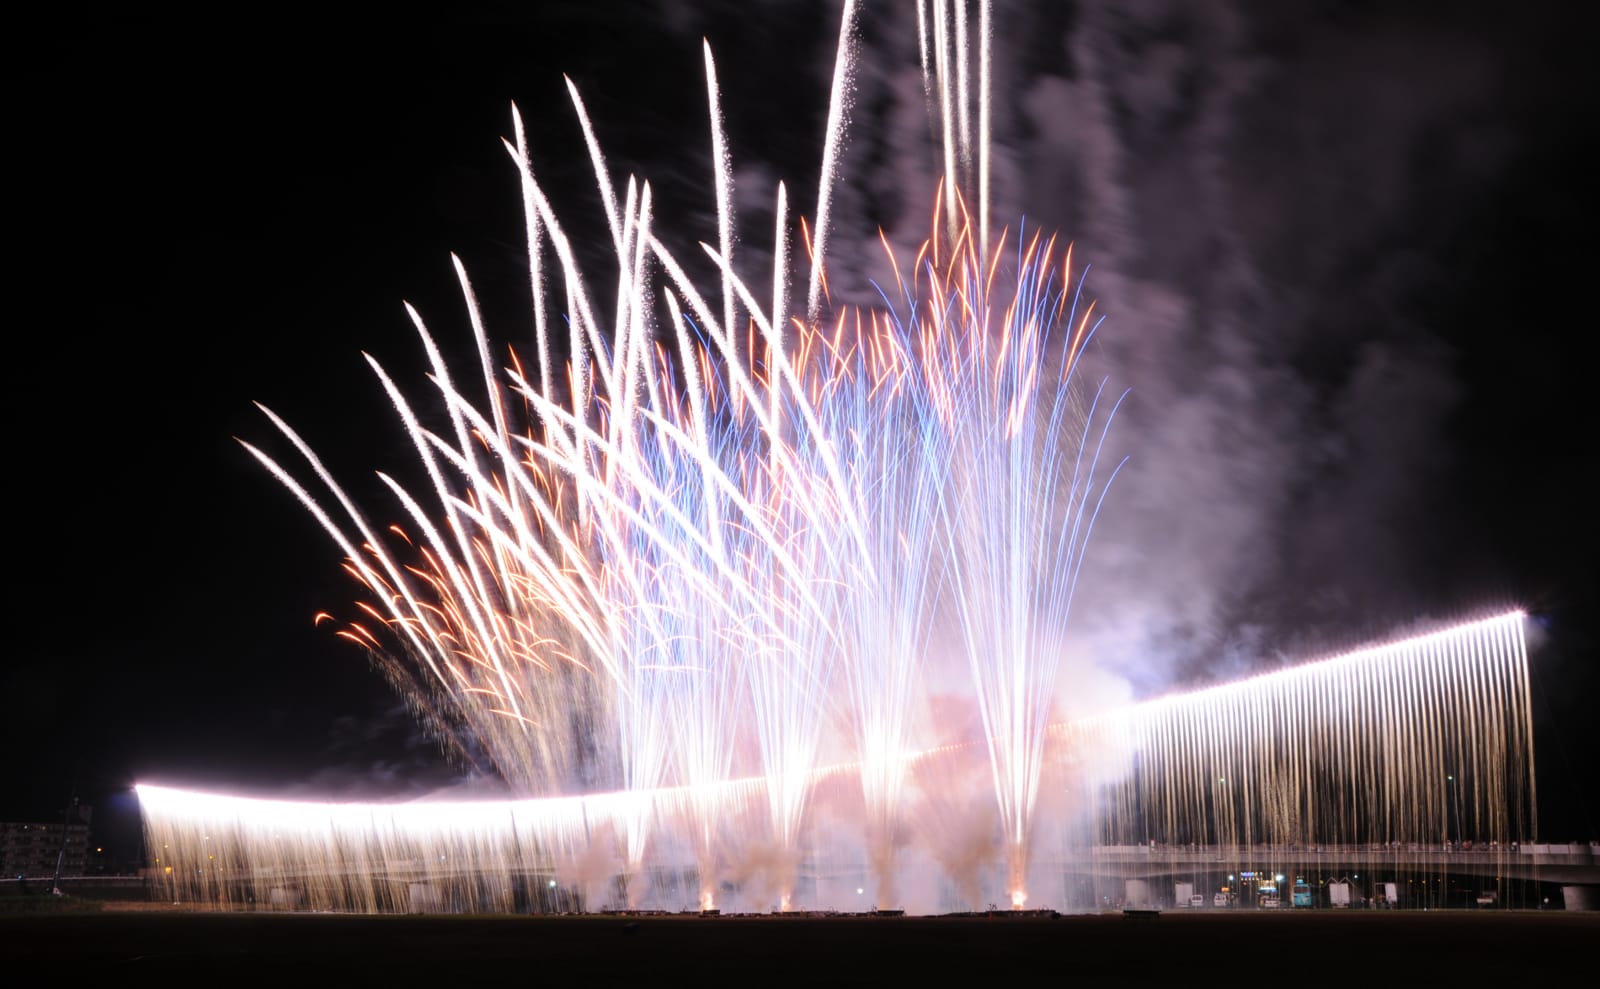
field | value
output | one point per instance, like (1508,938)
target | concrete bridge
(1420,875)
(1571,864)
(1567,864)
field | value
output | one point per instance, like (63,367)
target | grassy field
(1173,949)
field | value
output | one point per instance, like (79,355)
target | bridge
(1570,864)
(1114,869)
(1574,863)
(1146,874)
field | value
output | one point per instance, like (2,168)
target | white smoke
(1263,198)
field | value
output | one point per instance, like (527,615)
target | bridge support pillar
(423,898)
(1136,893)
(1581,897)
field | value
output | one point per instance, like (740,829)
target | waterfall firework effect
(700,577)
(1402,747)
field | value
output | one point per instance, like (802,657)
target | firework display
(1395,752)
(763,603)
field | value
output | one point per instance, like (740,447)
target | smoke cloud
(1268,201)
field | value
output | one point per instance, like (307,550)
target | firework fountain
(686,576)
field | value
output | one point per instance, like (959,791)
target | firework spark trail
(788,736)
(900,462)
(947,84)
(838,109)
(1357,747)
(716,531)
(1347,752)
(1024,496)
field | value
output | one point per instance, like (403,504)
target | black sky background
(203,215)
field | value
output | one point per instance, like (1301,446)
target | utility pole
(66,831)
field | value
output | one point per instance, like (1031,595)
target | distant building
(32,849)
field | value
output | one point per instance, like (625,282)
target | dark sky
(1346,249)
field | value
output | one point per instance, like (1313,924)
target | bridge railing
(1568,852)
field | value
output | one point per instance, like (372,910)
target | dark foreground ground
(1289,949)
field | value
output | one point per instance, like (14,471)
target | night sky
(1346,250)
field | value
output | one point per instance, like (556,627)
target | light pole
(1454,810)
(1455,800)
(1450,825)
(66,831)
